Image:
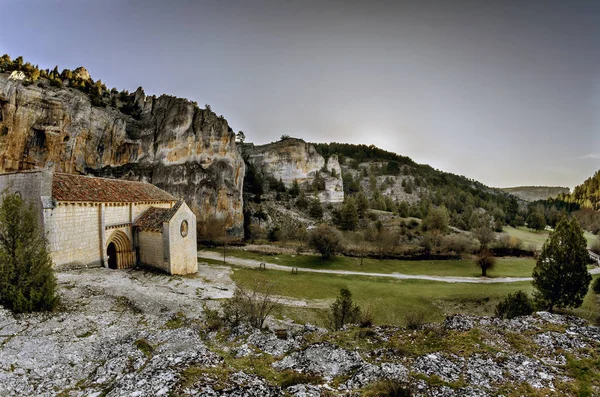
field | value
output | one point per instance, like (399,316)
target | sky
(504,92)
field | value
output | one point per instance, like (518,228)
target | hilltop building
(113,223)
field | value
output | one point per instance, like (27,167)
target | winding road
(446,279)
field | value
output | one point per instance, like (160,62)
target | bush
(414,320)
(274,234)
(386,388)
(366,317)
(212,319)
(596,286)
(27,281)
(514,305)
(251,304)
(326,240)
(458,243)
(595,248)
(291,378)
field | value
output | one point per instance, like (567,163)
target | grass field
(505,267)
(538,238)
(391,300)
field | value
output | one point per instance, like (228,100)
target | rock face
(136,333)
(534,193)
(185,150)
(293,159)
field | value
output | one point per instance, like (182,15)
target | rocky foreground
(135,333)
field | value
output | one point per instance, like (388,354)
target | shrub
(274,234)
(514,305)
(595,248)
(366,317)
(344,311)
(414,320)
(315,210)
(212,319)
(596,286)
(291,378)
(458,243)
(386,388)
(145,347)
(251,304)
(27,281)
(326,240)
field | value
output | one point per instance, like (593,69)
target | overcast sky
(504,92)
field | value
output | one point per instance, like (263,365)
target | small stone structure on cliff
(113,223)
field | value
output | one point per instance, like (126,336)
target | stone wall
(151,248)
(183,255)
(73,233)
(30,185)
(117,214)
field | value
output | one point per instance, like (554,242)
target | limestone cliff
(534,193)
(293,159)
(187,151)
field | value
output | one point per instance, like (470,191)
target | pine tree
(349,215)
(344,310)
(560,274)
(27,281)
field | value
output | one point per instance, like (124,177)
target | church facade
(113,223)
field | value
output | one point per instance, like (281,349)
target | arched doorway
(111,252)
(119,252)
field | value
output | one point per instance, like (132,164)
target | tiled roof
(68,187)
(154,217)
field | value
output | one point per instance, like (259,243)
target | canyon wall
(293,159)
(187,151)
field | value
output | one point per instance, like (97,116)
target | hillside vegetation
(586,195)
(461,196)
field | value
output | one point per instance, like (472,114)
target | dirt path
(446,279)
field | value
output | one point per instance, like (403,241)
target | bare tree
(386,242)
(252,303)
(214,231)
(360,245)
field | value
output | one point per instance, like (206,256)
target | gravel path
(446,279)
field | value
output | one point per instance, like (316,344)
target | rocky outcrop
(136,333)
(534,193)
(187,151)
(292,160)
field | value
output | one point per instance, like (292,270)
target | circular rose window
(184,228)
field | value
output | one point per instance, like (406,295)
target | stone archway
(119,252)
(111,254)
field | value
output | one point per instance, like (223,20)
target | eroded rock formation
(188,151)
(293,159)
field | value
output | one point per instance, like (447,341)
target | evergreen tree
(315,210)
(437,219)
(349,215)
(27,281)
(362,203)
(294,189)
(560,274)
(344,310)
(536,221)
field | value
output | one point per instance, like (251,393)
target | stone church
(113,223)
